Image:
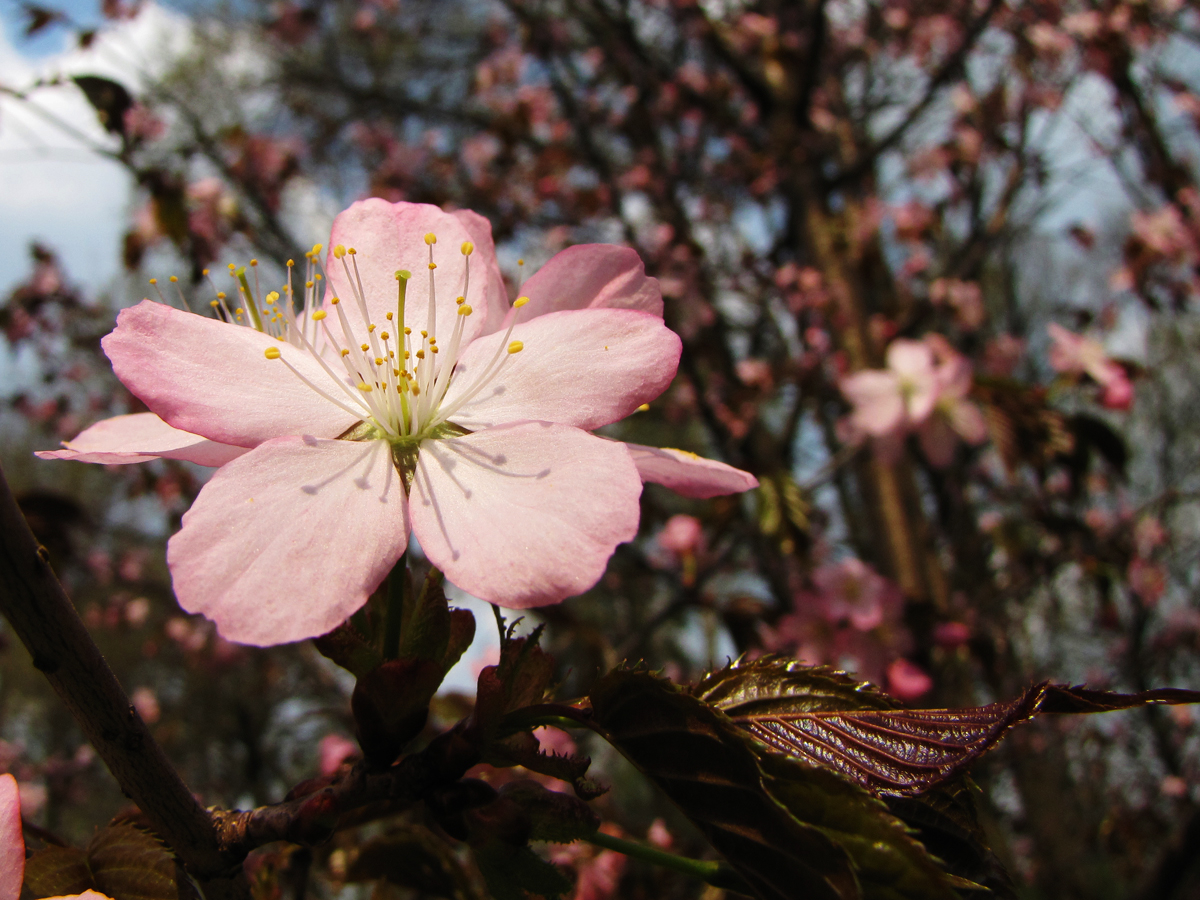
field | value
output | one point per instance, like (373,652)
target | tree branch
(43,617)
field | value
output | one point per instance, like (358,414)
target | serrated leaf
(709,769)
(410,856)
(513,873)
(56,872)
(826,718)
(130,864)
(553,816)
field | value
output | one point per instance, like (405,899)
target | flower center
(393,379)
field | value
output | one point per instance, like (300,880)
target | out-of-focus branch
(948,70)
(43,617)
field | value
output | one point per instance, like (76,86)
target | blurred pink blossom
(1074,354)
(906,680)
(334,750)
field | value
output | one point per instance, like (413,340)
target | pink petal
(86,895)
(580,367)
(968,420)
(591,276)
(12,842)
(525,514)
(388,237)
(138,438)
(910,358)
(287,541)
(689,474)
(878,404)
(210,378)
(495,306)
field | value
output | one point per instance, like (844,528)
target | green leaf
(130,864)
(122,861)
(56,872)
(709,768)
(425,625)
(513,873)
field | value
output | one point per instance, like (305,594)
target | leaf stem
(718,874)
(394,617)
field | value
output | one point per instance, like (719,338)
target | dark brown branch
(45,620)
(309,819)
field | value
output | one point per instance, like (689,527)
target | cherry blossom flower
(401,403)
(954,416)
(887,403)
(1074,354)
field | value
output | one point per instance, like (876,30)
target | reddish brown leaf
(827,719)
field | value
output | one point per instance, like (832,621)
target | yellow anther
(420,354)
(173,279)
(415,389)
(272,297)
(271,353)
(232,267)
(345,352)
(379,360)
(388,316)
(407,330)
(432,266)
(364,387)
(516,347)
(431,239)
(370,328)
(220,295)
(519,302)
(204,272)
(214,303)
(520,262)
(384,335)
(467,248)
(434,349)
(239,311)
(318,315)
(316,250)
(308,284)
(407,354)
(339,251)
(154,281)
(352,251)
(424,333)
(336,300)
(290,263)
(464,310)
(645,407)
(254,262)
(318,277)
(366,347)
